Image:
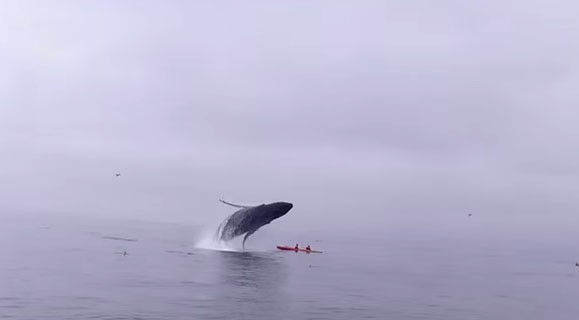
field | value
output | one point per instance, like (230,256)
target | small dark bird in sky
(117,174)
(470,214)
(577,264)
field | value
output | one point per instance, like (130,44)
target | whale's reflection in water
(250,285)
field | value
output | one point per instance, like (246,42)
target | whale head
(277,209)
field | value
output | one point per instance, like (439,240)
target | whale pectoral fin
(247,236)
(233,205)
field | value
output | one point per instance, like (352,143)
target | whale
(248,219)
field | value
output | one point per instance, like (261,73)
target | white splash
(208,240)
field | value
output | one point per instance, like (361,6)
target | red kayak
(288,248)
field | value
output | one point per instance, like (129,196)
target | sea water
(127,270)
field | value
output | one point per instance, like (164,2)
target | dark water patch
(9,299)
(179,252)
(119,238)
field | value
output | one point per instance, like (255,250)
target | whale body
(247,220)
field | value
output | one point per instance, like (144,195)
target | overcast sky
(358,112)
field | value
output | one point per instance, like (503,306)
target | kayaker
(308,248)
(296,248)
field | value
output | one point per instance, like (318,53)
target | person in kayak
(308,248)
(296,248)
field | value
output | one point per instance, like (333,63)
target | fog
(365,114)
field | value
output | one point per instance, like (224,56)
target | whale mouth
(279,209)
(284,207)
(287,206)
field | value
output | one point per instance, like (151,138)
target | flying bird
(117,174)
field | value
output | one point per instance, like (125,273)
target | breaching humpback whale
(249,219)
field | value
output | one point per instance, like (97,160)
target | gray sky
(355,111)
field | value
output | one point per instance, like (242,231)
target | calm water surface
(68,271)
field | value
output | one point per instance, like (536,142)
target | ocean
(79,270)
